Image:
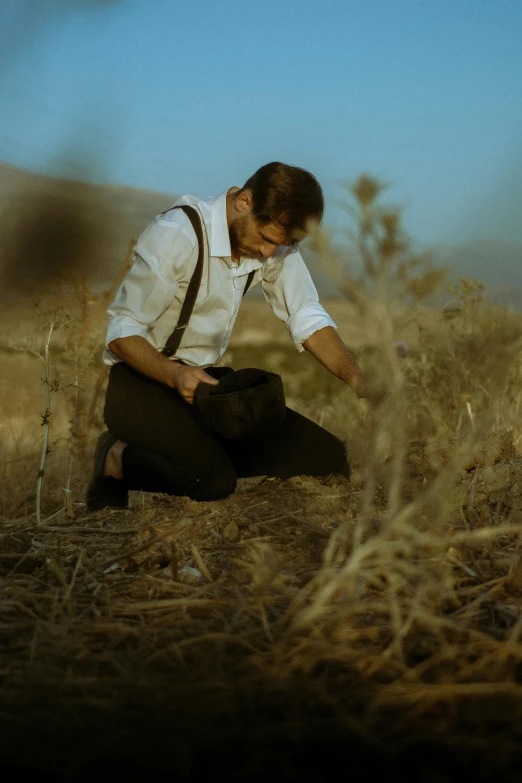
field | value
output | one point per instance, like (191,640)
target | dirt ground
(297,630)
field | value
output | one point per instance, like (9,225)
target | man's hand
(331,352)
(141,355)
(372,389)
(328,348)
(185,379)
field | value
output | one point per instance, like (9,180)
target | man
(157,441)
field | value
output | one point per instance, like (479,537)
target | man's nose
(267,250)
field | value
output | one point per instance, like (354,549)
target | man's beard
(238,230)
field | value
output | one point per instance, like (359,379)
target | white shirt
(149,299)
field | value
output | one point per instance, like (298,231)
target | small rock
(402,349)
(246,484)
(231,532)
(111,568)
(300,481)
(189,575)
(499,477)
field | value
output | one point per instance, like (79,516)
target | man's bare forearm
(328,348)
(142,356)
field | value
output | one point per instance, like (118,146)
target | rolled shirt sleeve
(160,258)
(292,295)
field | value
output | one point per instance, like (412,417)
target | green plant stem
(46,423)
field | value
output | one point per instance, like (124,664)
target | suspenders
(173,342)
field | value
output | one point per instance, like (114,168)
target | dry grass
(384,612)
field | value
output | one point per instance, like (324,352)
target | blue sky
(194,96)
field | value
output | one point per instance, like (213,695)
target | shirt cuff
(305,322)
(124,326)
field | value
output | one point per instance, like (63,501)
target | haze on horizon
(194,97)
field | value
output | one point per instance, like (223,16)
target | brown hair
(286,195)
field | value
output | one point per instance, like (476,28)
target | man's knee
(344,467)
(214,483)
(337,458)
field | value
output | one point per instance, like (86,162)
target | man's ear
(243,202)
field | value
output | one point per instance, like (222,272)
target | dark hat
(246,403)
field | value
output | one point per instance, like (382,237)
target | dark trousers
(171,450)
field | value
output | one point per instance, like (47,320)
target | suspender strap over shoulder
(249,281)
(173,342)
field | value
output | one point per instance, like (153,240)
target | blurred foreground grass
(383,614)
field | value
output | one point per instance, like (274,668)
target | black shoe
(105,491)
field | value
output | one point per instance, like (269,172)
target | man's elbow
(115,346)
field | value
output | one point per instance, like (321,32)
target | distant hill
(497,264)
(51,226)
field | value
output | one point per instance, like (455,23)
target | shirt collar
(219,236)
(214,213)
